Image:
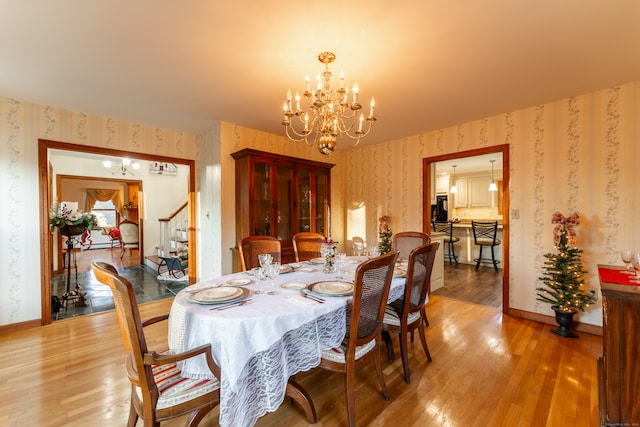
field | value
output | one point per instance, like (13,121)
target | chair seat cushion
(448,239)
(338,354)
(487,242)
(175,389)
(391,317)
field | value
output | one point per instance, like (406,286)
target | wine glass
(636,267)
(264,259)
(273,270)
(358,248)
(341,259)
(374,252)
(627,257)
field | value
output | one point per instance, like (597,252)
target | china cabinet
(619,366)
(279,196)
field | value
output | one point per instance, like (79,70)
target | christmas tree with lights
(384,233)
(564,276)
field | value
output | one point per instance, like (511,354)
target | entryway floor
(98,297)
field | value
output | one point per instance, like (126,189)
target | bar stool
(484,234)
(449,240)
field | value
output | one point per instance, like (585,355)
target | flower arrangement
(328,252)
(563,277)
(384,232)
(60,216)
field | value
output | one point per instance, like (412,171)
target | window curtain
(94,194)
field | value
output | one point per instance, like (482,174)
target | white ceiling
(430,64)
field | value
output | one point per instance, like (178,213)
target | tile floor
(98,296)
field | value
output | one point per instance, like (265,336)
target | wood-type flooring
(487,370)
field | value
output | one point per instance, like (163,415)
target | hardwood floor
(487,370)
(464,283)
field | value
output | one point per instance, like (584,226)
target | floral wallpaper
(578,154)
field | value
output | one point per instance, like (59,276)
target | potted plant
(563,276)
(70,222)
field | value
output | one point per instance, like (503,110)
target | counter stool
(449,239)
(484,234)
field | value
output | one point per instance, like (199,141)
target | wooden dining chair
(158,390)
(306,245)
(405,241)
(252,246)
(407,314)
(361,345)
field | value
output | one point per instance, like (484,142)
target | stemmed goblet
(341,259)
(627,257)
(273,270)
(264,259)
(636,267)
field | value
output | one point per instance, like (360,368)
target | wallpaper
(21,125)
(578,154)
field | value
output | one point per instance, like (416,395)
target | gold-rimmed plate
(319,260)
(239,294)
(332,288)
(238,282)
(285,269)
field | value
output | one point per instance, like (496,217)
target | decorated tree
(564,275)
(384,232)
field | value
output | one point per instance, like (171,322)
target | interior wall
(21,125)
(573,155)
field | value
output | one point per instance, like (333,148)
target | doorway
(429,194)
(46,196)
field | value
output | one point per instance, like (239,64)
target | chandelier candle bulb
(373,104)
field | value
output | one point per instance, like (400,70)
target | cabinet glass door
(321,202)
(283,208)
(261,199)
(304,201)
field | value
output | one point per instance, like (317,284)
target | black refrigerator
(440,211)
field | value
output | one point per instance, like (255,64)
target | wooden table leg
(300,395)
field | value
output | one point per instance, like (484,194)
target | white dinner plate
(332,288)
(285,269)
(238,293)
(306,270)
(399,273)
(238,282)
(293,285)
(319,260)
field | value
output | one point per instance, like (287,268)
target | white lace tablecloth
(259,345)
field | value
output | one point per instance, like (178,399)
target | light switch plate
(515,213)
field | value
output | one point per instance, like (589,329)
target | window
(106,213)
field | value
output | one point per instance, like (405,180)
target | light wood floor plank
(487,370)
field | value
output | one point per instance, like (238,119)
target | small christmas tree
(563,277)
(384,232)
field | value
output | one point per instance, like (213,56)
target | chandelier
(331,113)
(126,166)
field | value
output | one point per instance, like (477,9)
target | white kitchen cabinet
(479,194)
(461,198)
(442,184)
(473,192)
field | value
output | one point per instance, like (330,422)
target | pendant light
(454,189)
(492,186)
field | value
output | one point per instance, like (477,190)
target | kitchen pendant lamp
(454,189)
(492,186)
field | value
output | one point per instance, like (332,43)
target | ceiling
(429,64)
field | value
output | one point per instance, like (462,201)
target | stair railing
(174,231)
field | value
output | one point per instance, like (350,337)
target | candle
(373,104)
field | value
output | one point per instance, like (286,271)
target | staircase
(173,235)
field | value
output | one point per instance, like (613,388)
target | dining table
(269,332)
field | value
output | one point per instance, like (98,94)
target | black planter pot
(565,320)
(72,230)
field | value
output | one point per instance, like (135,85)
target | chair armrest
(155,319)
(154,358)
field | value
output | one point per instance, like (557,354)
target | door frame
(426,203)
(46,198)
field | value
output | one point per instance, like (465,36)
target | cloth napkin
(616,276)
(301,300)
